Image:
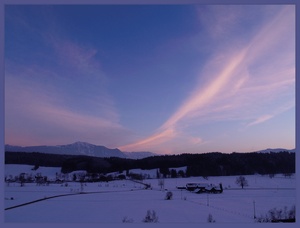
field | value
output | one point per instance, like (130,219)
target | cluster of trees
(35,158)
(169,173)
(23,178)
(276,215)
(209,164)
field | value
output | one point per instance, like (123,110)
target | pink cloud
(35,112)
(196,140)
(205,95)
(199,99)
(152,141)
(260,119)
(219,20)
(75,55)
(239,83)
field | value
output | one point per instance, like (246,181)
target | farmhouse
(204,188)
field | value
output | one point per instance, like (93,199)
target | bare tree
(241,181)
(161,183)
(22,179)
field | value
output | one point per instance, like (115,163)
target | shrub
(150,217)
(210,219)
(169,196)
(279,215)
(127,220)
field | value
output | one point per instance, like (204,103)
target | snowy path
(64,195)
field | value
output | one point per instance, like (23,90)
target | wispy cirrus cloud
(241,82)
(36,116)
(68,92)
(56,91)
(86,79)
(260,119)
(77,56)
(198,100)
(219,20)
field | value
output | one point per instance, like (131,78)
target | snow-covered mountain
(80,148)
(83,148)
(77,148)
(276,150)
(139,155)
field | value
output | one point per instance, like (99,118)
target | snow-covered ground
(111,202)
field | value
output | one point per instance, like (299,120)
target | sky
(168,79)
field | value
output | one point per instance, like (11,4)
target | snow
(110,203)
(15,170)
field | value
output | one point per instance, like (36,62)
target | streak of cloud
(205,95)
(43,114)
(60,91)
(260,119)
(69,93)
(254,75)
(219,20)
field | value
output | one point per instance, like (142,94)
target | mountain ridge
(80,148)
(88,149)
(276,150)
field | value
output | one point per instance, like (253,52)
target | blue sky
(162,78)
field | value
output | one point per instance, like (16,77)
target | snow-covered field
(114,201)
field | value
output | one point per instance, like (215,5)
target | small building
(204,188)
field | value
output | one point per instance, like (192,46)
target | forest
(207,164)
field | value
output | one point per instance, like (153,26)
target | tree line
(208,164)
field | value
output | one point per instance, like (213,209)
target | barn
(204,188)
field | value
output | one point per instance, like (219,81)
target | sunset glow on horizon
(168,79)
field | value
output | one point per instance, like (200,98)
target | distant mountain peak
(79,144)
(139,155)
(79,148)
(276,150)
